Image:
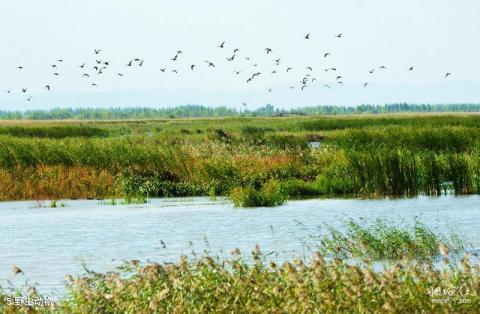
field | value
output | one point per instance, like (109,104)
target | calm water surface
(47,243)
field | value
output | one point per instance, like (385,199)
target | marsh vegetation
(355,155)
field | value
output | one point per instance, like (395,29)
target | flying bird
(236,50)
(97,51)
(59,60)
(371,71)
(163,69)
(20,67)
(29,98)
(365,84)
(120,74)
(268,50)
(309,68)
(448,74)
(192,66)
(382,67)
(86,74)
(238,72)
(24,90)
(307,36)
(93,84)
(231,58)
(210,64)
(288,69)
(339,77)
(175,71)
(141,63)
(129,64)
(410,69)
(175,58)
(339,35)
(82,65)
(221,45)
(54,66)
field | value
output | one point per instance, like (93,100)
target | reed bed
(365,155)
(253,285)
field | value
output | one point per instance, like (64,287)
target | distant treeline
(188,111)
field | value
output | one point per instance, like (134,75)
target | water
(48,243)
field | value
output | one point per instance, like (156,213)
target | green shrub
(271,194)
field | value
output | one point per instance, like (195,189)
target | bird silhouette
(24,90)
(59,60)
(175,71)
(192,67)
(210,64)
(238,72)
(163,69)
(410,69)
(56,73)
(339,77)
(141,63)
(270,90)
(93,84)
(288,69)
(129,64)
(309,68)
(54,66)
(47,87)
(303,86)
(20,67)
(326,54)
(97,51)
(175,58)
(120,74)
(365,84)
(82,65)
(307,36)
(86,75)
(29,98)
(326,85)
(371,71)
(448,74)
(382,67)
(8,91)
(268,50)
(221,45)
(236,50)
(231,58)
(339,35)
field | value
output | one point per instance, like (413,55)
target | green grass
(382,239)
(359,155)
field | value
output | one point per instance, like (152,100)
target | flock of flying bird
(101,66)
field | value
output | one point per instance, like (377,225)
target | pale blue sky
(435,36)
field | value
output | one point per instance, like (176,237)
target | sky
(434,36)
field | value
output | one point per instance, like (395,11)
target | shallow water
(47,243)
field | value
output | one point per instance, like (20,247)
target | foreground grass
(235,286)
